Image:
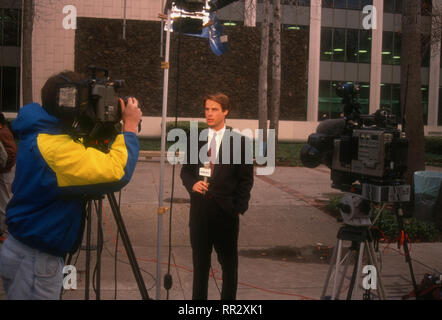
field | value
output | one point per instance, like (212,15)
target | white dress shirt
(218,138)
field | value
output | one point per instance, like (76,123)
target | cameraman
(53,175)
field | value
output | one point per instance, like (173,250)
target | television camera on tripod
(367,155)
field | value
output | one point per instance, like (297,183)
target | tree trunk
(263,65)
(411,96)
(28,24)
(276,69)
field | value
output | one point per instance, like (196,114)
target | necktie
(212,152)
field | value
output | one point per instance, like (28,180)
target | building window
(393,6)
(352,45)
(391,48)
(10,89)
(364,52)
(346,4)
(330,103)
(345,45)
(326,44)
(390,99)
(339,44)
(303,3)
(10,26)
(425,49)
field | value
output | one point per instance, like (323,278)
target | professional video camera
(93,106)
(367,154)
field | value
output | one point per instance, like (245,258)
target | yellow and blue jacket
(53,174)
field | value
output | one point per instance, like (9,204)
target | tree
(411,99)
(263,74)
(28,25)
(275,101)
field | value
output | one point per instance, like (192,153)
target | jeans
(29,274)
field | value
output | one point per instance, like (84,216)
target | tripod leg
(356,272)
(327,278)
(99,246)
(337,265)
(399,214)
(347,260)
(88,249)
(127,246)
(374,262)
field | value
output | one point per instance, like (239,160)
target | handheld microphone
(206,172)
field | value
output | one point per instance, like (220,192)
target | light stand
(161,208)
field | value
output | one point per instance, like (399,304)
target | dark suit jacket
(230,183)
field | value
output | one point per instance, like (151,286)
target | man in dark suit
(215,205)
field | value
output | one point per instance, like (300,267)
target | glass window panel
(324,100)
(364,46)
(366,3)
(397,48)
(326,44)
(305,3)
(354,4)
(9,89)
(389,6)
(340,4)
(396,101)
(327,3)
(364,97)
(337,107)
(338,44)
(11,27)
(386,96)
(387,47)
(352,45)
(398,6)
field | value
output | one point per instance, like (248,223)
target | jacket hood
(33,118)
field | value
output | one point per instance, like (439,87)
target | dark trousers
(210,227)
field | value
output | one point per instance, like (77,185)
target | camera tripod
(361,239)
(361,242)
(124,236)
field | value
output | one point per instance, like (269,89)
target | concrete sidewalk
(285,242)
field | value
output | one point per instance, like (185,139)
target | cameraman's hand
(131,114)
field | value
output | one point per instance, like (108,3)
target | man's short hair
(49,90)
(220,98)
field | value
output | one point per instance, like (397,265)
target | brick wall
(53,46)
(98,41)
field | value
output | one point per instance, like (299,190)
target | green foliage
(289,154)
(184,125)
(417,231)
(433,145)
(333,202)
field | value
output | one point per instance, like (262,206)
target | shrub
(433,145)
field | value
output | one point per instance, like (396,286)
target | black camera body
(367,154)
(92,107)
